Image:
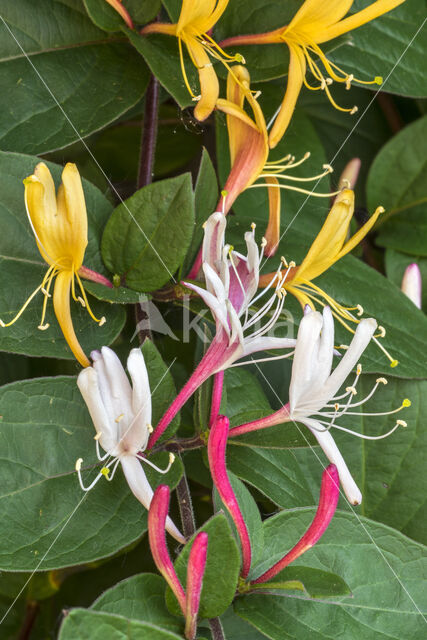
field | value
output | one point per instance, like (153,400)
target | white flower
(231,286)
(121,415)
(312,393)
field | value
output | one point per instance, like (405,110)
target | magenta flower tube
(195,572)
(216,453)
(329,494)
(157,515)
(278,417)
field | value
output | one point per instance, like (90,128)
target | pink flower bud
(157,515)
(349,176)
(329,494)
(195,572)
(412,284)
(216,453)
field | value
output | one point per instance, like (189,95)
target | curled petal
(195,572)
(156,535)
(329,494)
(61,305)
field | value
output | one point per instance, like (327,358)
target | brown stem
(185,507)
(30,617)
(216,629)
(149,134)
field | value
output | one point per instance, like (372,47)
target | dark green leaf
(315,582)
(105,17)
(222,569)
(140,597)
(397,180)
(22,269)
(117,295)
(382,567)
(80,624)
(44,108)
(48,521)
(147,236)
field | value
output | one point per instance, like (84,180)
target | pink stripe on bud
(329,494)
(412,284)
(90,274)
(195,572)
(157,515)
(216,453)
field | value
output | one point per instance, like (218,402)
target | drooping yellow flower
(59,224)
(117,5)
(196,19)
(316,22)
(329,246)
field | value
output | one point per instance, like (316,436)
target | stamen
(150,428)
(82,302)
(98,435)
(45,292)
(120,417)
(43,327)
(151,464)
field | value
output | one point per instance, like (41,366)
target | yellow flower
(316,21)
(330,245)
(117,5)
(196,19)
(59,224)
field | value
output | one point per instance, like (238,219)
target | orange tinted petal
(61,305)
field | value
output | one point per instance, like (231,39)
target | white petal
(307,345)
(214,239)
(219,311)
(333,454)
(115,387)
(136,436)
(253,256)
(364,332)
(140,487)
(326,347)
(214,283)
(87,382)
(266,344)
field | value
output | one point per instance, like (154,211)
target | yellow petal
(374,10)
(360,234)
(61,305)
(75,211)
(328,243)
(35,203)
(209,86)
(193,11)
(319,14)
(296,75)
(212,17)
(272,234)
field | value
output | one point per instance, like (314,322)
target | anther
(402,423)
(329,81)
(2,324)
(239,58)
(208,64)
(307,154)
(150,428)
(323,84)
(328,168)
(102,321)
(120,417)
(257,95)
(43,327)
(78,464)
(381,381)
(337,406)
(394,363)
(348,81)
(263,242)
(98,435)
(354,110)
(171,458)
(406,402)
(196,98)
(359,310)
(343,346)
(378,80)
(381,331)
(284,261)
(105,471)
(224,193)
(351,390)
(253,226)
(359,369)
(292,264)
(82,302)
(45,293)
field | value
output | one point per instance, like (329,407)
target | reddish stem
(282,415)
(94,276)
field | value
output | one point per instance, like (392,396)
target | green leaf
(22,269)
(48,521)
(221,573)
(147,236)
(237,629)
(140,597)
(80,624)
(44,108)
(387,471)
(251,516)
(205,199)
(276,473)
(160,52)
(395,265)
(382,567)
(117,295)
(397,180)
(316,583)
(106,18)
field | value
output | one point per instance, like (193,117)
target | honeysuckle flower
(121,415)
(328,500)
(196,19)
(216,454)
(314,23)
(314,398)
(231,286)
(59,224)
(118,6)
(188,600)
(329,246)
(412,284)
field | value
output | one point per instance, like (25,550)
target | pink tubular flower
(216,452)
(157,515)
(195,572)
(412,284)
(329,494)
(231,286)
(117,5)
